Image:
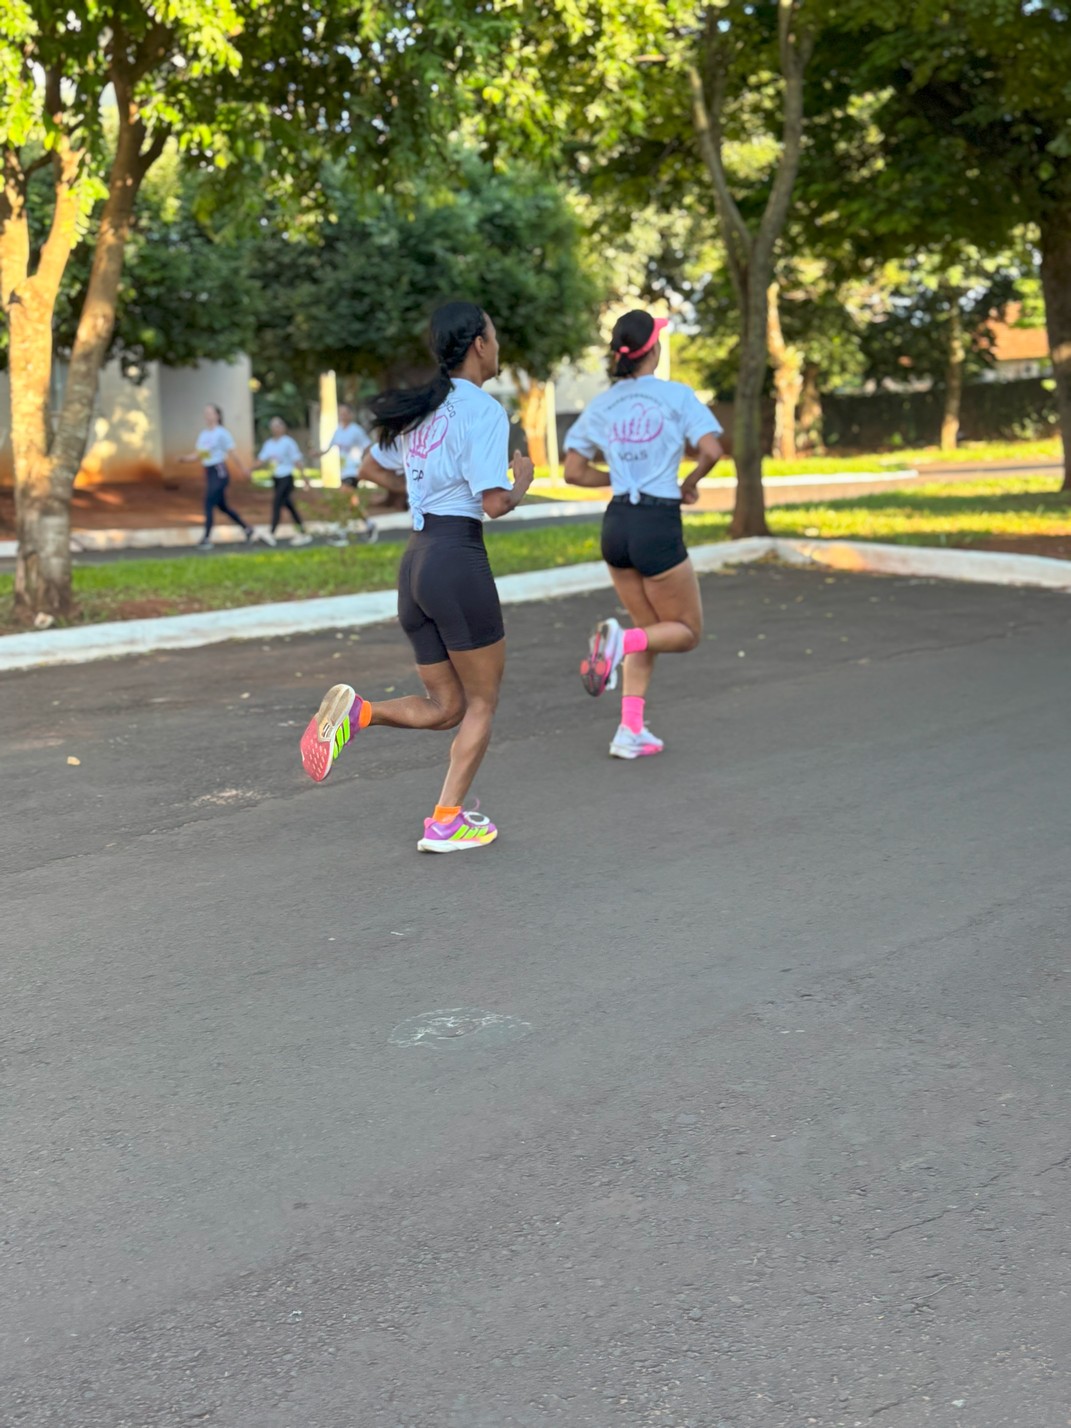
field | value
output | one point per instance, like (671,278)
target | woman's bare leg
(675,599)
(480,675)
(638,667)
(442,707)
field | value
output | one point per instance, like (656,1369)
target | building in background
(139,429)
(1017,352)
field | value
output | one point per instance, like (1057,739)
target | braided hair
(454,328)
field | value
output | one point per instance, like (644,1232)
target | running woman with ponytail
(451,438)
(641,426)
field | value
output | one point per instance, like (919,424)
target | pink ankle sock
(632,712)
(635,641)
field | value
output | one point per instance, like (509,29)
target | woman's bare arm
(579,471)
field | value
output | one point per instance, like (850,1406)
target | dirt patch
(1057,547)
(144,609)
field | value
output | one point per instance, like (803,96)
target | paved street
(748,1104)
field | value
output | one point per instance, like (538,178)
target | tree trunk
(810,417)
(1056,285)
(787,363)
(533,408)
(749,509)
(954,379)
(47,463)
(750,254)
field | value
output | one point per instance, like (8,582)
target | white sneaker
(606,650)
(371,533)
(629,745)
(301,538)
(268,538)
(339,541)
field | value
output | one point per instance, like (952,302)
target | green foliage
(356,297)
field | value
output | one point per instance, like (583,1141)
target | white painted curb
(294,617)
(986,567)
(126,637)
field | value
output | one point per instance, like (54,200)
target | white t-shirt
(282,453)
(456,454)
(352,441)
(213,445)
(641,426)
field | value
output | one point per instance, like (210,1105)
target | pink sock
(635,641)
(632,712)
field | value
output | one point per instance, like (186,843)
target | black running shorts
(447,598)
(647,538)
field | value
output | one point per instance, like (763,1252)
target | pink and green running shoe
(468,830)
(330,730)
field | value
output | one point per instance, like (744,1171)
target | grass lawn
(1049,449)
(1006,512)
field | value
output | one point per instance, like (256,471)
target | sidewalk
(175,501)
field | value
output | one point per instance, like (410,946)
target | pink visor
(659,324)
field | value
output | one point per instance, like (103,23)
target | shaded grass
(954,514)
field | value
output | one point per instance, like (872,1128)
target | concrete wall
(140,428)
(186,391)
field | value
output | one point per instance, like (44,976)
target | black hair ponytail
(454,328)
(623,366)
(218,411)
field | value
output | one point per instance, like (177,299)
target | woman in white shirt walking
(452,439)
(215,446)
(642,426)
(283,455)
(352,441)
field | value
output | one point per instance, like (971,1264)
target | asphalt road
(762,1114)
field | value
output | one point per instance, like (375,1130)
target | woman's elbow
(496,504)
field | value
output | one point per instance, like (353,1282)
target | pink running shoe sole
(318,751)
(595,671)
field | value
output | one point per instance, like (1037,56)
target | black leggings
(216,478)
(283,498)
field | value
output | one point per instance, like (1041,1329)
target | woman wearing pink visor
(641,427)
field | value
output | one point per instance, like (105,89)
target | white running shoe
(301,538)
(627,744)
(339,541)
(371,533)
(268,539)
(606,650)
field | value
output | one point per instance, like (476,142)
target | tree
(970,132)
(92,96)
(611,80)
(187,289)
(356,295)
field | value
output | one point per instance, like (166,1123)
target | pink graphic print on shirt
(429,435)
(642,422)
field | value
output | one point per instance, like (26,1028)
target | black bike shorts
(447,597)
(646,538)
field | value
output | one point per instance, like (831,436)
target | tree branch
(737,237)
(56,249)
(795,48)
(157,144)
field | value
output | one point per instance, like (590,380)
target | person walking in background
(352,441)
(215,447)
(642,426)
(283,456)
(452,438)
